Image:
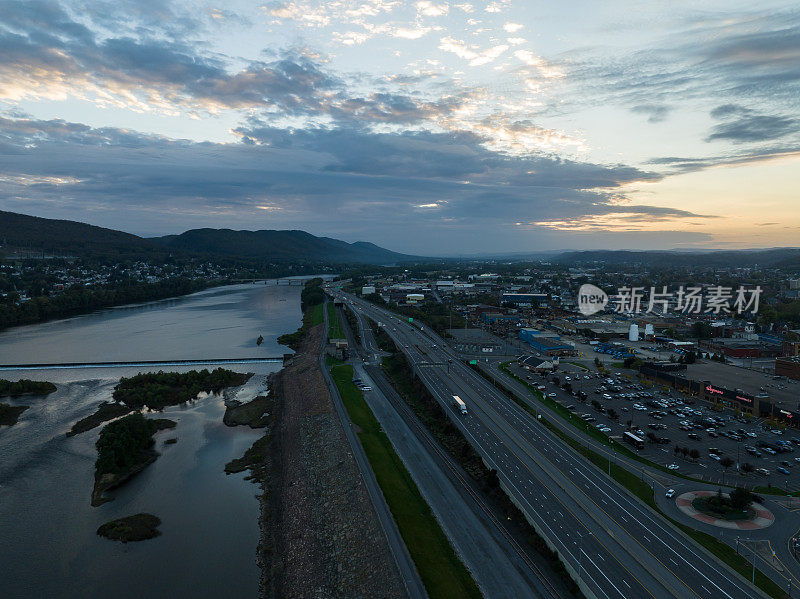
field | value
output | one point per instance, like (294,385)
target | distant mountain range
(773,257)
(79,239)
(65,237)
(281,246)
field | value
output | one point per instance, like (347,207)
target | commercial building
(669,374)
(475,341)
(534,364)
(368,289)
(545,343)
(525,299)
(788,367)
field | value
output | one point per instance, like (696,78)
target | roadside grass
(578,364)
(311,317)
(761,490)
(335,330)
(442,573)
(317,316)
(644,492)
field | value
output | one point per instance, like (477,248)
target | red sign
(747,399)
(710,389)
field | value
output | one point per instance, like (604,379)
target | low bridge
(284,281)
(146,363)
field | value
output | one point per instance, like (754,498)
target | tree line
(158,390)
(80,300)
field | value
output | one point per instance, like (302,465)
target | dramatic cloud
(656,113)
(748,126)
(450,122)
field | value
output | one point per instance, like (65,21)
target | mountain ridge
(66,237)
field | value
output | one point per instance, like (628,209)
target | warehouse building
(549,344)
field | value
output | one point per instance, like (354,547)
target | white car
(551,395)
(714,457)
(673,467)
(605,429)
(670,493)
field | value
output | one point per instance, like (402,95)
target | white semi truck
(460,404)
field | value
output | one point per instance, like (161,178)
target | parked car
(670,493)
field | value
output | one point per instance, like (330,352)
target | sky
(426,127)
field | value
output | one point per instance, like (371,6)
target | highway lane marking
(616,588)
(594,472)
(543,523)
(578,520)
(539,480)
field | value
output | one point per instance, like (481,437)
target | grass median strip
(334,327)
(442,573)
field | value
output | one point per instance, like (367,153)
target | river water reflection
(48,545)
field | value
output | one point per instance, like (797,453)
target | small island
(131,528)
(254,413)
(105,411)
(158,390)
(25,387)
(124,448)
(10,414)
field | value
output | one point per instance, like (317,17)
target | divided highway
(615,544)
(499,565)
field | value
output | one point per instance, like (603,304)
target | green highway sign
(473,361)
(410,319)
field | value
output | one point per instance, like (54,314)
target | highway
(499,565)
(405,565)
(619,547)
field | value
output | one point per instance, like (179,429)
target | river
(48,541)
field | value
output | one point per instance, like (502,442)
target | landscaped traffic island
(732,507)
(736,510)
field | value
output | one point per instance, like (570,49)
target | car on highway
(714,457)
(782,470)
(551,395)
(670,493)
(672,467)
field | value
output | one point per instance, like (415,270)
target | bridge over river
(146,363)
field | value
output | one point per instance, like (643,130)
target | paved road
(620,547)
(500,567)
(408,572)
(773,552)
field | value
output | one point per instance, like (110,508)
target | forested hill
(775,257)
(71,238)
(279,246)
(64,237)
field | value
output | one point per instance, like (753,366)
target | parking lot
(664,420)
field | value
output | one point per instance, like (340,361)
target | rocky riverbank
(320,534)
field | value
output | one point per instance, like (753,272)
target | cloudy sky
(428,127)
